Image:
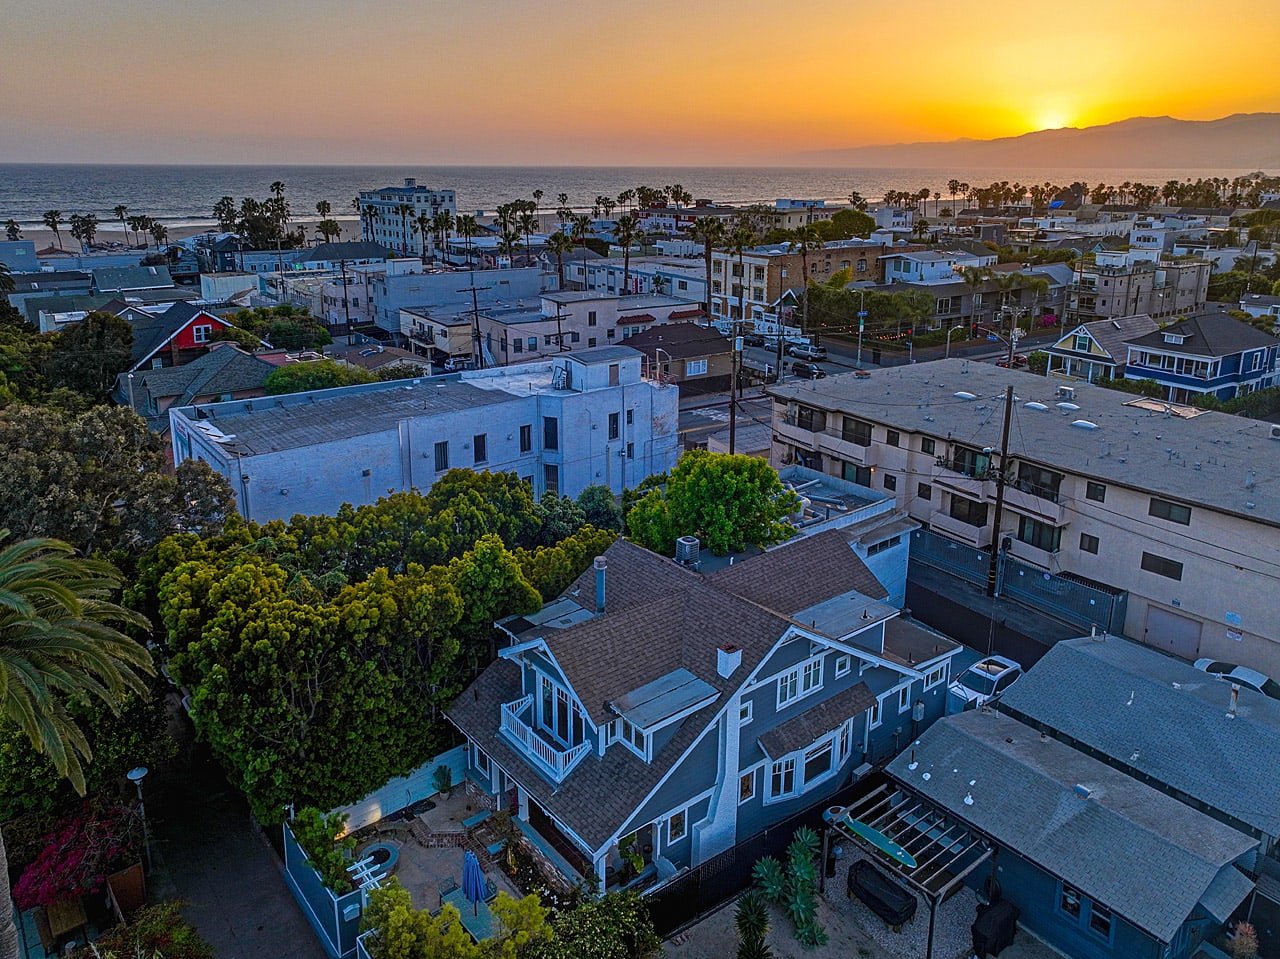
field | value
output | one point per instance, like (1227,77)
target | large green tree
(60,639)
(315,375)
(90,355)
(99,480)
(728,501)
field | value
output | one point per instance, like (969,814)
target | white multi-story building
(390,215)
(578,420)
(1178,507)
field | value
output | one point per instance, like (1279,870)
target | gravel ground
(855,932)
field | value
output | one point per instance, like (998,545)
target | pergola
(944,849)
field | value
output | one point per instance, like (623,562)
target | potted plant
(632,858)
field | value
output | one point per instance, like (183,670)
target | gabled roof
(225,369)
(1264,300)
(807,727)
(680,340)
(115,279)
(1138,852)
(347,250)
(1112,335)
(153,331)
(1163,720)
(1212,333)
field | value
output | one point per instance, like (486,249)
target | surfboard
(880,841)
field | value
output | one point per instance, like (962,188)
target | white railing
(556,761)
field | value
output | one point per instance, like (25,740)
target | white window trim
(769,795)
(684,814)
(741,776)
(487,768)
(798,672)
(904,699)
(744,712)
(844,663)
(875,714)
(940,671)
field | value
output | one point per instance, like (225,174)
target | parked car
(1019,361)
(808,371)
(753,339)
(1243,675)
(807,351)
(982,682)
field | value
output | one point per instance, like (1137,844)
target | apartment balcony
(970,487)
(551,758)
(945,523)
(834,443)
(798,436)
(1034,501)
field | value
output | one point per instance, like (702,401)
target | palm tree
(857,201)
(558,244)
(804,240)
(60,639)
(709,231)
(973,277)
(12,230)
(581,224)
(442,223)
(53,220)
(626,233)
(6,278)
(467,229)
(425,224)
(121,211)
(159,232)
(738,240)
(404,210)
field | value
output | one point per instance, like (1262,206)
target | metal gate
(1171,632)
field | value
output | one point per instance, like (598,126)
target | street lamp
(947,355)
(135,776)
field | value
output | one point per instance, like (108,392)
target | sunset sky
(601,81)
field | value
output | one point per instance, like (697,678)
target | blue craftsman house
(655,715)
(1208,354)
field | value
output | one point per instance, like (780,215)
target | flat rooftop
(1225,462)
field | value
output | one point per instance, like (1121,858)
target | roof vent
(1068,407)
(1033,405)
(728,659)
(687,550)
(1084,424)
(1084,792)
(965,395)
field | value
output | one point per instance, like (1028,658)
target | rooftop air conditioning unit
(1066,392)
(1275,431)
(687,550)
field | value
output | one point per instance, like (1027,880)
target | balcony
(943,522)
(968,486)
(836,443)
(552,759)
(797,436)
(1035,501)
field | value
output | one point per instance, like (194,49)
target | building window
(746,787)
(533,344)
(551,478)
(550,433)
(924,491)
(677,826)
(517,345)
(811,677)
(968,511)
(843,665)
(201,333)
(631,417)
(613,425)
(818,762)
(782,778)
(1038,534)
(890,482)
(480,447)
(442,456)
(631,451)
(1096,492)
(874,714)
(935,676)
(591,341)
(695,367)
(788,687)
(1069,902)
(482,761)
(591,318)
(892,437)
(1088,543)
(1173,512)
(1038,481)
(744,713)
(883,546)
(615,374)
(856,432)
(970,462)
(927,445)
(526,438)
(856,474)
(1162,566)
(904,699)
(1100,920)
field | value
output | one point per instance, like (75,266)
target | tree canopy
(286,327)
(728,501)
(315,375)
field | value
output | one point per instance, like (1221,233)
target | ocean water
(186,194)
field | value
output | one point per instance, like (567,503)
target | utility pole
(862,322)
(477,352)
(346,298)
(1000,481)
(733,396)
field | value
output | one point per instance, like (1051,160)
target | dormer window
(1175,338)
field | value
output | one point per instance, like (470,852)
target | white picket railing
(556,761)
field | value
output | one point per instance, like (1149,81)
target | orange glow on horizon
(590,82)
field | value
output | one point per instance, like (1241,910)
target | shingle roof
(1208,334)
(680,340)
(1162,719)
(222,370)
(805,729)
(152,330)
(1114,335)
(112,279)
(799,575)
(1252,299)
(1140,853)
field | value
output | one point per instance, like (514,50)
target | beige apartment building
(1125,283)
(768,271)
(1178,507)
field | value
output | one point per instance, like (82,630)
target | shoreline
(182,230)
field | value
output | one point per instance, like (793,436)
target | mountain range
(1243,141)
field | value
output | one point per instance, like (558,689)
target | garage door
(1173,633)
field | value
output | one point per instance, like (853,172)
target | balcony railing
(556,761)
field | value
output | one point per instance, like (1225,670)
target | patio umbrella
(473,882)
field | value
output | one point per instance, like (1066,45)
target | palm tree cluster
(261,224)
